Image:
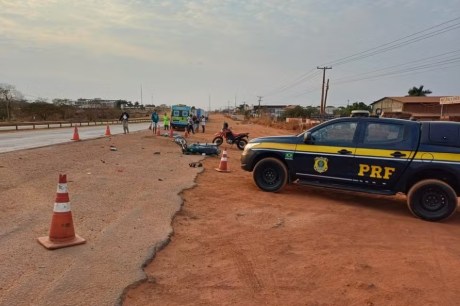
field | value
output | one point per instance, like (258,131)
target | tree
(311,111)
(8,94)
(418,92)
(346,111)
(296,112)
(42,109)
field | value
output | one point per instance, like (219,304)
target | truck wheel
(270,174)
(432,200)
(218,141)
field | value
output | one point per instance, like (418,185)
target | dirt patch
(232,244)
(236,245)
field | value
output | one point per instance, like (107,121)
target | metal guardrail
(8,126)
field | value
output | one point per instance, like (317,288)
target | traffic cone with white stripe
(223,163)
(62,233)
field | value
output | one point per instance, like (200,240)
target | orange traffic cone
(223,162)
(186,133)
(107,131)
(171,133)
(158,131)
(75,134)
(62,233)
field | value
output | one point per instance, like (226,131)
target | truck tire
(432,200)
(270,174)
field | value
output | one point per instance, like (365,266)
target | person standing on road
(196,122)
(124,119)
(190,125)
(166,121)
(155,119)
(203,123)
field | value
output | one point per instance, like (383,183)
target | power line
(426,60)
(443,62)
(429,32)
(398,42)
(310,75)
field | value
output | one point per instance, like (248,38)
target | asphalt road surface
(27,139)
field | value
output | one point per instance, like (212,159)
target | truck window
(383,133)
(444,134)
(340,133)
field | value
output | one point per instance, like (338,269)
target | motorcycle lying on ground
(240,139)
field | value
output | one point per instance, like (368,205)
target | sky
(214,54)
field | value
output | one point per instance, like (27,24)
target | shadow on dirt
(395,205)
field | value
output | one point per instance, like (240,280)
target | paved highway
(27,139)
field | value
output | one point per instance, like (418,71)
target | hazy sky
(220,52)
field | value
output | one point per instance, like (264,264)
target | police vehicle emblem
(289,156)
(320,165)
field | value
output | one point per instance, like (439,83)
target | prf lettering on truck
(375,171)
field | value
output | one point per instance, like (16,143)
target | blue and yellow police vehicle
(366,154)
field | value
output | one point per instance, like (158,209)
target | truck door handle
(344,151)
(398,154)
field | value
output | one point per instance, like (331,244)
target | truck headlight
(249,146)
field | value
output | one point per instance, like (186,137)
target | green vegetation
(418,91)
(14,108)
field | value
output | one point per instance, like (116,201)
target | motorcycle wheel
(218,141)
(242,143)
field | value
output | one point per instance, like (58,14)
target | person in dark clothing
(195,123)
(190,125)
(155,118)
(124,119)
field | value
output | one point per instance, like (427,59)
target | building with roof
(424,108)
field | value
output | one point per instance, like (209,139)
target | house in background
(424,108)
(273,111)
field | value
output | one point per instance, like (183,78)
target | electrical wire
(398,43)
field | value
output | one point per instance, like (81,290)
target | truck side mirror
(307,137)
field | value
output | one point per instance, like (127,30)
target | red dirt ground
(236,245)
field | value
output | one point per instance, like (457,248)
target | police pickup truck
(367,154)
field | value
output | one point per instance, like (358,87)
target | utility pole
(322,90)
(258,109)
(141,94)
(325,96)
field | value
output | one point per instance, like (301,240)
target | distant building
(273,111)
(330,110)
(428,108)
(87,103)
(95,103)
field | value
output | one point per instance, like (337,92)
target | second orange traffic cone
(158,131)
(62,233)
(75,134)
(107,131)
(171,133)
(223,167)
